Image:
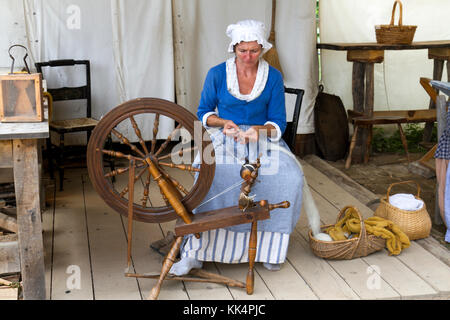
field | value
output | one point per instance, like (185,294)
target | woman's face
(248,53)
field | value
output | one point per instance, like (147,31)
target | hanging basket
(395,34)
(415,224)
(356,247)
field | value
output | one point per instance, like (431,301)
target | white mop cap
(248,30)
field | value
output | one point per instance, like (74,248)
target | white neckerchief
(260,81)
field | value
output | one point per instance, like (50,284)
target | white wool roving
(323,237)
(406,202)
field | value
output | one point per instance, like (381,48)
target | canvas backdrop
(155,48)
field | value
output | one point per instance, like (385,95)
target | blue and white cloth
(279,179)
(447,206)
(443,147)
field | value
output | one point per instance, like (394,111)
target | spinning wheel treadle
(144,111)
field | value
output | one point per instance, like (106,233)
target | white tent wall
(143,58)
(397,78)
(134,51)
(13,28)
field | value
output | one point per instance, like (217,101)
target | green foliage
(317,9)
(381,142)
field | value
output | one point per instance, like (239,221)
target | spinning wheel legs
(167,264)
(251,258)
(209,277)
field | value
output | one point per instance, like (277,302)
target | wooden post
(26,177)
(363,92)
(358,76)
(130,212)
(250,283)
(441,116)
(167,264)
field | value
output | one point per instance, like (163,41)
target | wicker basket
(391,34)
(416,224)
(356,247)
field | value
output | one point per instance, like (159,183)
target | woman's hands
(232,130)
(251,135)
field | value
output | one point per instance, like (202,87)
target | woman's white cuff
(205,117)
(278,136)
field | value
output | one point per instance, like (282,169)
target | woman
(249,97)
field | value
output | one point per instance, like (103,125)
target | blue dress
(280,177)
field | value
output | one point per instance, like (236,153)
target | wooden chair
(61,127)
(291,130)
(359,121)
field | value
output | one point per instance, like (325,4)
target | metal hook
(24,57)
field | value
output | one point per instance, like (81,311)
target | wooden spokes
(136,142)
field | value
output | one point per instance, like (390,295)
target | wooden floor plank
(238,271)
(70,251)
(332,192)
(286,284)
(208,291)
(407,283)
(356,273)
(428,267)
(325,282)
(47,228)
(108,246)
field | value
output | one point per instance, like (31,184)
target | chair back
(291,129)
(70,93)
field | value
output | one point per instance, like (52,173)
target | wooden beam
(384,46)
(439,53)
(373,56)
(26,177)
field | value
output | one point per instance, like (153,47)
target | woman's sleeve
(277,107)
(208,99)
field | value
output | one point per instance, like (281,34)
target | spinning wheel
(152,170)
(144,111)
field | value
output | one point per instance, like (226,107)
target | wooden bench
(359,121)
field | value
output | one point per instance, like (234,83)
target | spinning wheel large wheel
(137,113)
